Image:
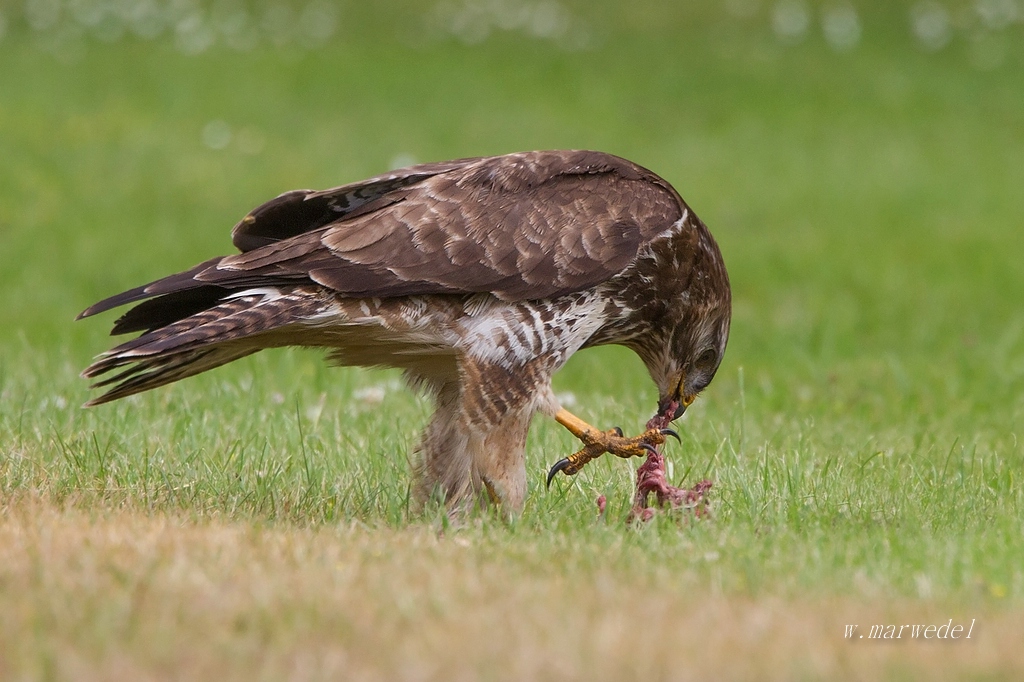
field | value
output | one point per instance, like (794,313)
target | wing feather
(522,226)
(303,210)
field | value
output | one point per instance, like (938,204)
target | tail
(188,332)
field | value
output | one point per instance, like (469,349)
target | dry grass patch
(126,595)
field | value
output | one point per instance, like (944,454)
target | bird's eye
(706,360)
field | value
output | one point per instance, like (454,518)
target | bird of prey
(479,278)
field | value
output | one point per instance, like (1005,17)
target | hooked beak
(675,404)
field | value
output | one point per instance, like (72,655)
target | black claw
(559,466)
(670,432)
(649,448)
(618,431)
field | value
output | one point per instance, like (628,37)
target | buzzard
(479,278)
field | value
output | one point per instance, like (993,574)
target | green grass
(862,434)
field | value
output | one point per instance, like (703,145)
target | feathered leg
(474,448)
(442,461)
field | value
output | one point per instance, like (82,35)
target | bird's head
(689,359)
(681,305)
(690,328)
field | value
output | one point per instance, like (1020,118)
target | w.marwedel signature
(913,631)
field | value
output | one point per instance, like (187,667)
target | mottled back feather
(522,226)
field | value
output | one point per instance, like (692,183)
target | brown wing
(522,226)
(303,210)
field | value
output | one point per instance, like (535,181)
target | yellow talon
(597,442)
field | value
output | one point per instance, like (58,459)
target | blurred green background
(860,163)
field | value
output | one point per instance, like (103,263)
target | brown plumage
(478,277)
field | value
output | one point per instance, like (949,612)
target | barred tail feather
(241,324)
(166,369)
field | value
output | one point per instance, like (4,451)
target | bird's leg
(597,442)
